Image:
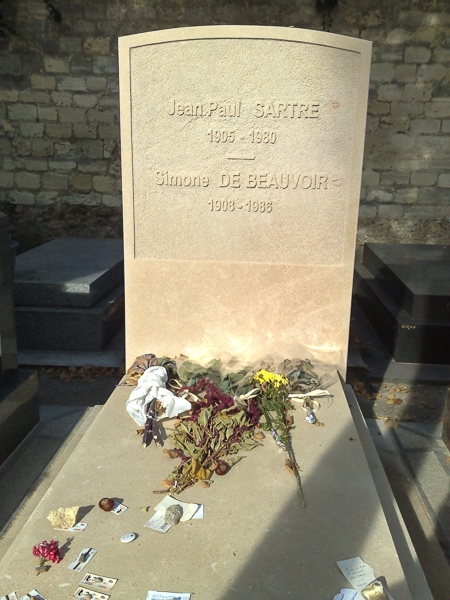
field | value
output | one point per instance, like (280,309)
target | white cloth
(151,385)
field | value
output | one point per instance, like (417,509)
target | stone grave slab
(255,540)
(74,329)
(19,408)
(241,155)
(417,276)
(68,272)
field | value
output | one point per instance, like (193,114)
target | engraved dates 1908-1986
(253,206)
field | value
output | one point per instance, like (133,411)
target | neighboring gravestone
(241,154)
(19,408)
(404,290)
(69,295)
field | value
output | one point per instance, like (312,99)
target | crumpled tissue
(152,385)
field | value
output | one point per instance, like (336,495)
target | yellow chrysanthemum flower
(275,379)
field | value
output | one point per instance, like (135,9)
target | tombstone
(404,290)
(242,151)
(19,409)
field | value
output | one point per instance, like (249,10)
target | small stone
(173,514)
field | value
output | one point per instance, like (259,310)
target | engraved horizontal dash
(241,157)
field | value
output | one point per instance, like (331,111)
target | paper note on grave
(241,155)
(357,572)
(362,577)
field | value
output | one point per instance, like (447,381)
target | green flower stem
(286,439)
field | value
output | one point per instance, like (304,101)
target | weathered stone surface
(268,538)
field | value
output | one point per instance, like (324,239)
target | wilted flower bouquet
(229,410)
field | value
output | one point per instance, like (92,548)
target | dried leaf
(167,483)
(259,435)
(289,466)
(204,483)
(197,471)
(426,405)
(170,453)
(391,423)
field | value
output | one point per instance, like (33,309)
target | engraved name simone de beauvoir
(275,109)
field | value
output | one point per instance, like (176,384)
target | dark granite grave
(417,276)
(69,295)
(19,407)
(73,329)
(404,290)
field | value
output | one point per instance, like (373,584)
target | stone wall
(59,103)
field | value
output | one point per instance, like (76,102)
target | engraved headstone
(241,152)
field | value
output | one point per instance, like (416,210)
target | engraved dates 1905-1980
(255,136)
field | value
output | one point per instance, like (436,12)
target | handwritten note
(357,572)
(362,578)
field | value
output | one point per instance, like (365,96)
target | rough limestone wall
(59,103)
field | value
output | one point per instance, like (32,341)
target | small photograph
(152,595)
(98,582)
(119,508)
(82,559)
(33,595)
(11,596)
(85,594)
